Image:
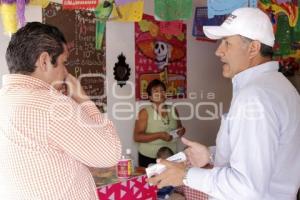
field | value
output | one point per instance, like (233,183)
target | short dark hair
(29,42)
(265,50)
(164,152)
(155,83)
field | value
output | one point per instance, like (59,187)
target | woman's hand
(166,136)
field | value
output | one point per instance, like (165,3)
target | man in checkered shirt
(49,139)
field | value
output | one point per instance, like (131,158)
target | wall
(203,73)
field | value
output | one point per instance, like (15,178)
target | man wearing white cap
(257,155)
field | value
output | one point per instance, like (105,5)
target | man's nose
(219,52)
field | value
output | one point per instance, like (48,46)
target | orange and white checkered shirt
(47,141)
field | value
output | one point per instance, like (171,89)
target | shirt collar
(25,81)
(241,79)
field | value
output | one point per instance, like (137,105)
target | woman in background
(155,124)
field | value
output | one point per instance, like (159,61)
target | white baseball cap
(248,22)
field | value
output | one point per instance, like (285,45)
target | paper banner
(201,20)
(223,7)
(9,18)
(289,9)
(131,12)
(79,4)
(43,3)
(172,27)
(102,13)
(122,2)
(283,1)
(170,10)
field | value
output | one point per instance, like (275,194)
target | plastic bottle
(125,165)
(129,156)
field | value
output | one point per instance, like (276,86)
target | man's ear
(254,48)
(43,61)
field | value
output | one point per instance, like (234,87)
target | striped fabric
(47,141)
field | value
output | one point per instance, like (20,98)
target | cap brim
(216,32)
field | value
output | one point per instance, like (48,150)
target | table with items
(110,187)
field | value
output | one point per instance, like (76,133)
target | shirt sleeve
(253,138)
(84,133)
(212,151)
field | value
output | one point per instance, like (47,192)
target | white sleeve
(212,151)
(253,143)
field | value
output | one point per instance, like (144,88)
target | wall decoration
(171,27)
(43,3)
(102,12)
(223,7)
(85,62)
(122,2)
(129,12)
(80,4)
(9,18)
(285,18)
(201,19)
(12,14)
(121,70)
(159,56)
(170,10)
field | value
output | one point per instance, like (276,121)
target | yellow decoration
(130,12)
(180,37)
(293,17)
(9,18)
(144,25)
(43,3)
(153,29)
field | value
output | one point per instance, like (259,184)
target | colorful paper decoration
(102,12)
(130,12)
(285,18)
(290,9)
(43,3)
(20,9)
(122,2)
(172,27)
(283,1)
(223,7)
(201,20)
(170,10)
(9,18)
(13,11)
(80,4)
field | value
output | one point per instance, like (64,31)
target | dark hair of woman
(155,83)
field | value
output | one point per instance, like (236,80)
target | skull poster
(159,56)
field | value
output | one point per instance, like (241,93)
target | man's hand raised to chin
(75,90)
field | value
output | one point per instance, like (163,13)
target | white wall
(203,74)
